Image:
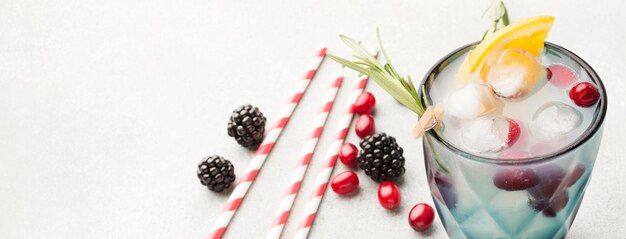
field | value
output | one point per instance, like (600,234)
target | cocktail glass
(462,183)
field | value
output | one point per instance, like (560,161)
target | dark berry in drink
(515,179)
(551,179)
(576,173)
(557,204)
(446,190)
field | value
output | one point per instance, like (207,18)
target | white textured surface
(107,106)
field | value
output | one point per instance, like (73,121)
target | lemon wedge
(528,35)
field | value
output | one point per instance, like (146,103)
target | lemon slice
(527,35)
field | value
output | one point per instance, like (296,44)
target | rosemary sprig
(403,90)
(499,15)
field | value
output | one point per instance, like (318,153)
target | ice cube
(514,74)
(470,101)
(486,134)
(554,120)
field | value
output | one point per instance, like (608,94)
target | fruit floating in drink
(522,122)
(522,127)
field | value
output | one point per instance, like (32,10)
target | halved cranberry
(345,183)
(584,94)
(514,132)
(364,104)
(347,154)
(388,195)
(573,177)
(364,126)
(548,73)
(421,217)
(561,75)
(515,179)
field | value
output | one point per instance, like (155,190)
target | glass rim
(584,137)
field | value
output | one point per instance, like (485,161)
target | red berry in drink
(557,204)
(347,154)
(364,126)
(446,190)
(364,103)
(561,75)
(345,183)
(550,182)
(514,132)
(389,195)
(515,179)
(584,94)
(421,217)
(573,177)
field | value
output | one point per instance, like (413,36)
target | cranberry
(514,132)
(347,154)
(573,177)
(550,206)
(421,217)
(364,103)
(548,73)
(538,204)
(557,204)
(515,179)
(550,181)
(364,126)
(389,195)
(584,94)
(445,190)
(345,183)
(561,75)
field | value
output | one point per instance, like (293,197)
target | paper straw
(319,187)
(306,153)
(238,194)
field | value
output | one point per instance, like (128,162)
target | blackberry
(247,126)
(216,173)
(381,157)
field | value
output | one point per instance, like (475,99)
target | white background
(107,106)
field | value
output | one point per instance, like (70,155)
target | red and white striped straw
(310,210)
(238,194)
(306,153)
